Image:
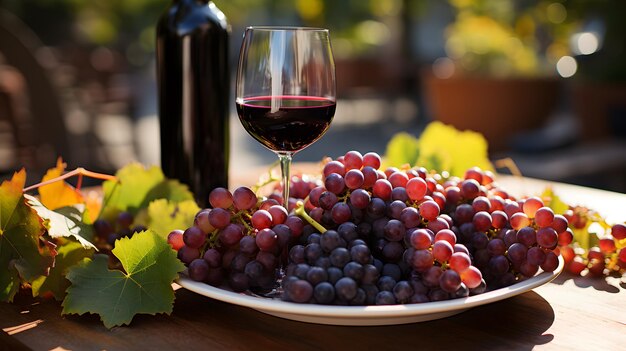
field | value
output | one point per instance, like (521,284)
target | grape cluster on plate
(363,236)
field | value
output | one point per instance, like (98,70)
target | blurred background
(544,81)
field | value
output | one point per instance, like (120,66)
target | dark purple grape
(299,291)
(231,235)
(102,228)
(348,231)
(410,217)
(394,230)
(386,283)
(327,200)
(346,288)
(267,259)
(213,258)
(360,198)
(247,245)
(353,270)
(360,254)
(376,208)
(496,247)
(334,274)
(187,254)
(395,208)
(450,281)
(334,183)
(385,298)
(239,281)
(239,262)
(198,270)
(312,252)
(391,270)
(296,225)
(254,270)
(296,254)
(392,251)
(527,236)
(316,275)
(535,256)
(341,212)
(517,253)
(498,265)
(370,274)
(124,220)
(330,240)
(547,238)
(194,237)
(399,194)
(244,198)
(422,260)
(267,240)
(354,179)
(219,218)
(339,257)
(324,293)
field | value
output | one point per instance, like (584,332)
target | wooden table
(567,314)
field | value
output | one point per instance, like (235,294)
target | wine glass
(285,91)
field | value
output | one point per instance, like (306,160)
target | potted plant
(499,75)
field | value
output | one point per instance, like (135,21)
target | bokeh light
(566,66)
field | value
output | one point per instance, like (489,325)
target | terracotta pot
(497,108)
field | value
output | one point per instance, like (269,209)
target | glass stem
(285,164)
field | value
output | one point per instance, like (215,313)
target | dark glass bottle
(194,87)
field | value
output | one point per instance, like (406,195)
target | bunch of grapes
(387,241)
(373,236)
(607,257)
(509,239)
(240,241)
(107,233)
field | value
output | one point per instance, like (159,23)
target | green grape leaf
(454,150)
(24,254)
(403,148)
(552,200)
(70,253)
(60,225)
(150,266)
(137,186)
(165,216)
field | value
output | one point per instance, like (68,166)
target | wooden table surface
(570,313)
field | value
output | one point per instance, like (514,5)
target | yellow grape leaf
(165,216)
(444,148)
(93,206)
(403,148)
(58,194)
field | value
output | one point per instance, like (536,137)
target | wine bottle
(194,87)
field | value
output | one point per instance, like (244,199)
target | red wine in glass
(296,123)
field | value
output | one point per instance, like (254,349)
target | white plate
(367,315)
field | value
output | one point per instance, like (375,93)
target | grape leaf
(553,201)
(70,253)
(165,216)
(150,265)
(440,147)
(24,254)
(403,148)
(59,225)
(137,186)
(455,150)
(58,194)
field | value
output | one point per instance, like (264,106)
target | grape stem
(80,172)
(302,213)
